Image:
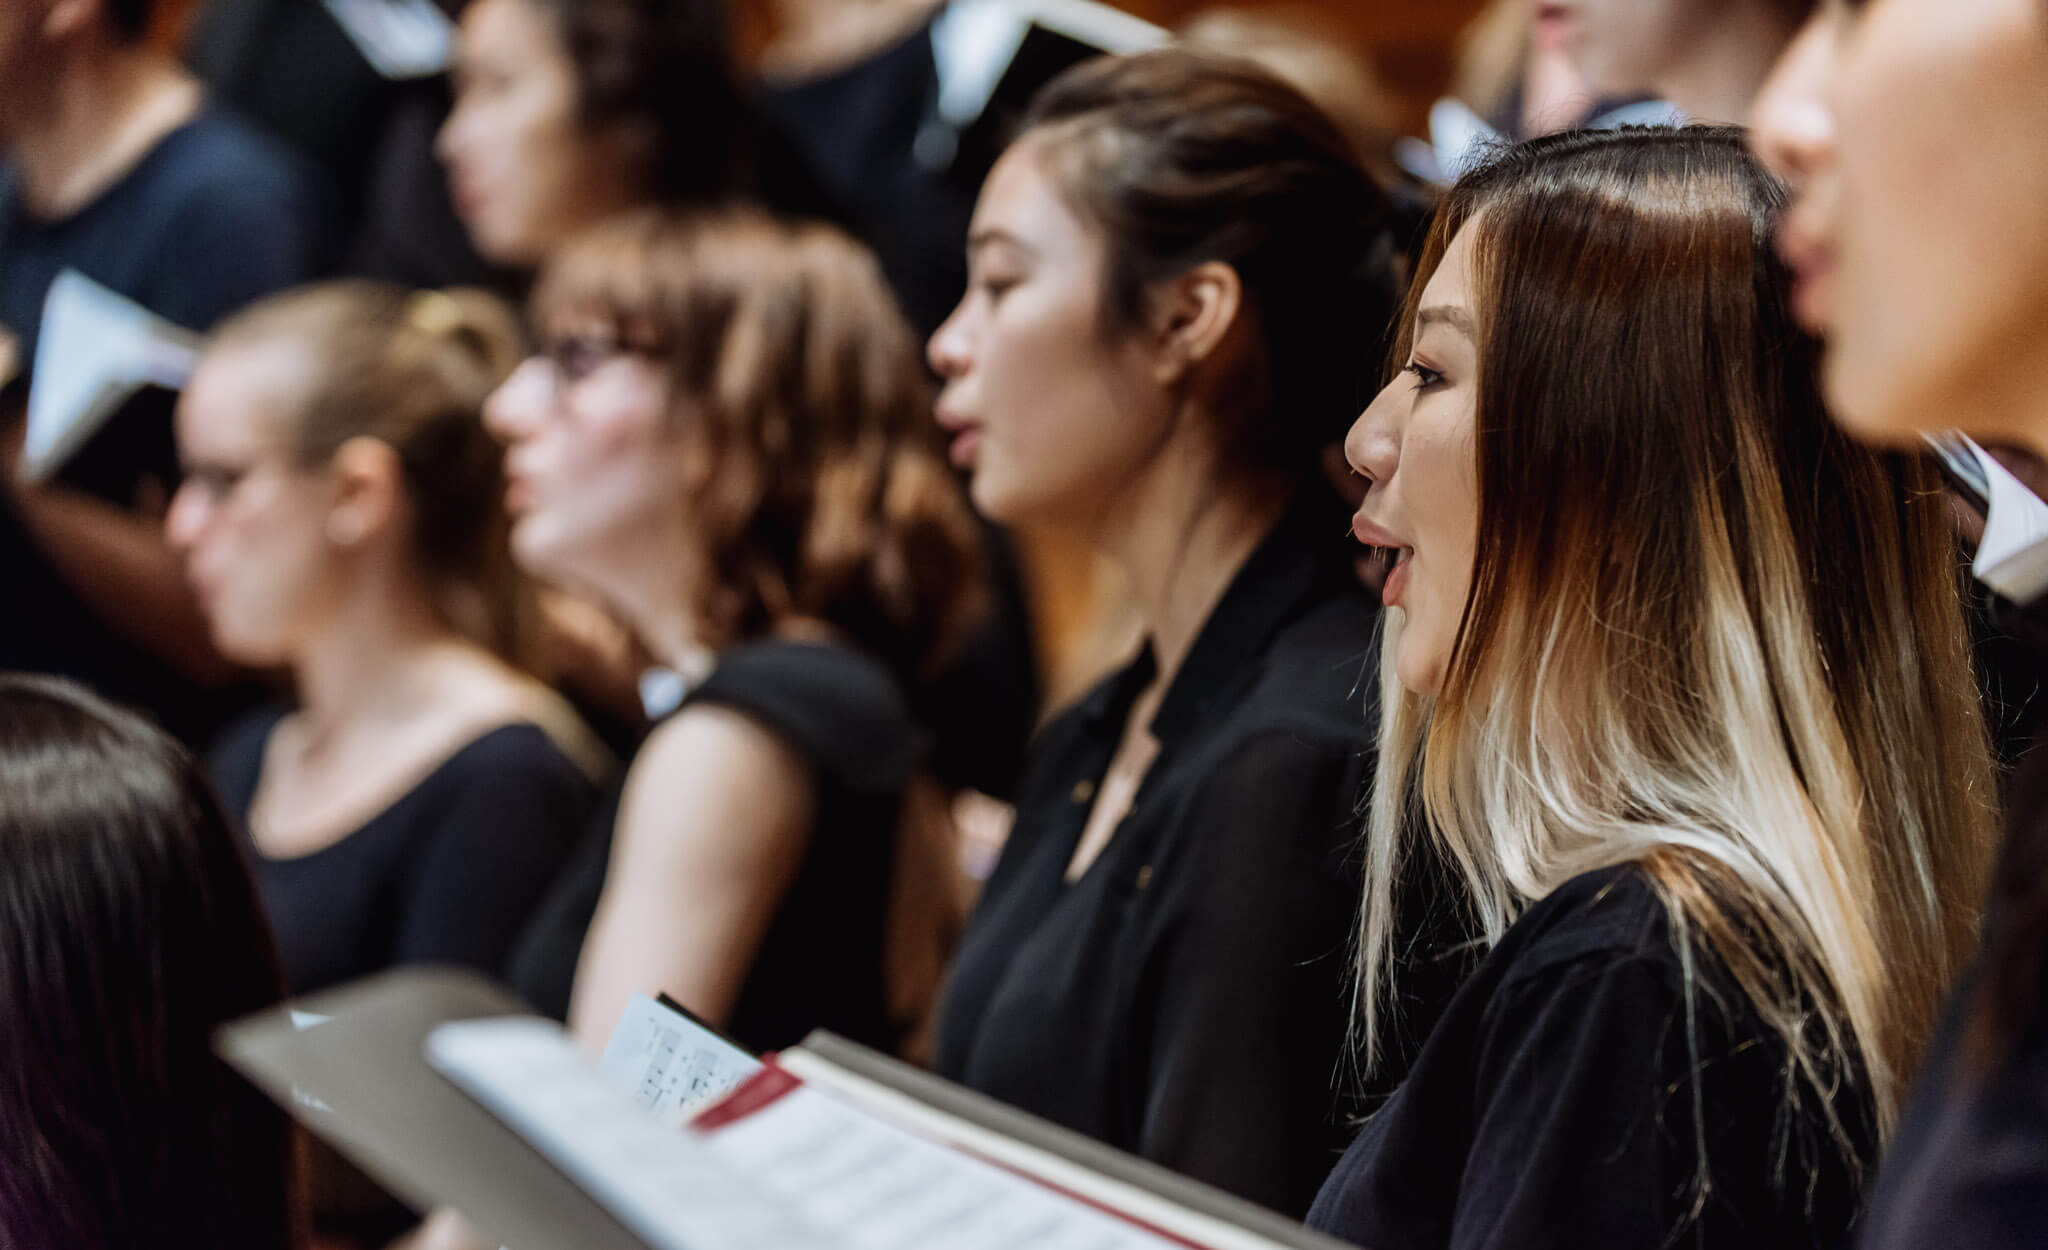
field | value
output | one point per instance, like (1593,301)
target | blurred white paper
(400,39)
(671,1064)
(96,349)
(2012,559)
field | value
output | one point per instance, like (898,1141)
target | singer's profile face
(1415,443)
(1048,410)
(1935,236)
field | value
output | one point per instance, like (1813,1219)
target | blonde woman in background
(342,517)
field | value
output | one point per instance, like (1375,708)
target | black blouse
(1185,999)
(1562,1101)
(446,874)
(820,963)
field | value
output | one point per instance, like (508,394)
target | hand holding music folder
(445,1090)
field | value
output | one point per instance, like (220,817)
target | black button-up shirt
(1186,998)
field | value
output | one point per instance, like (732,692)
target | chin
(1873,415)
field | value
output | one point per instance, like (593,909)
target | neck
(1727,64)
(376,655)
(1180,538)
(97,120)
(651,594)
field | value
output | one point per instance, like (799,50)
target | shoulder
(1604,921)
(219,160)
(520,758)
(1319,673)
(235,761)
(839,709)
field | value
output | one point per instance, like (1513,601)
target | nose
(516,408)
(948,350)
(187,517)
(1791,127)
(1373,447)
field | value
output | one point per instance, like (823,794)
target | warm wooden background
(1408,41)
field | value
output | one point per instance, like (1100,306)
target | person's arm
(503,824)
(1248,976)
(712,828)
(119,565)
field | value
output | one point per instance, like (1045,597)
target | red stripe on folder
(749,1096)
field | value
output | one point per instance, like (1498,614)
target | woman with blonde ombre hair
(1679,686)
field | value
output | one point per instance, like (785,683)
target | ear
(1192,316)
(369,491)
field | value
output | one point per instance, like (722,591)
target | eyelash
(1425,377)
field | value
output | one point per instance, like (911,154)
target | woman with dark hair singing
(129,931)
(1677,679)
(1175,274)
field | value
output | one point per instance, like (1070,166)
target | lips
(1812,263)
(1391,549)
(966,441)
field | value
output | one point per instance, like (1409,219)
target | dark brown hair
(799,382)
(661,74)
(129,931)
(1183,158)
(412,369)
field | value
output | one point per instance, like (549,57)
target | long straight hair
(1706,633)
(129,932)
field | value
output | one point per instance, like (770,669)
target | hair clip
(433,313)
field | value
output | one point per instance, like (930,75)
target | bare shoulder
(711,775)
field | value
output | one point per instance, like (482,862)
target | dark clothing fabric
(820,964)
(1968,1168)
(446,874)
(214,216)
(1563,1100)
(1184,999)
(211,218)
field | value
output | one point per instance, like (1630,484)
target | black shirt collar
(1299,561)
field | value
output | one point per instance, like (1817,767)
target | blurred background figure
(129,931)
(342,517)
(1707,57)
(726,440)
(571,111)
(114,162)
(1178,278)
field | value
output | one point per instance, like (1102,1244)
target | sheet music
(883,1188)
(663,1183)
(669,1063)
(96,348)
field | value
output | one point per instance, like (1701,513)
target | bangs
(604,279)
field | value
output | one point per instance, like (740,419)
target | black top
(212,217)
(820,964)
(1185,998)
(1558,1103)
(1968,1167)
(444,875)
(215,215)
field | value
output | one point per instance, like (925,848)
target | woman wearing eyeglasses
(340,519)
(726,442)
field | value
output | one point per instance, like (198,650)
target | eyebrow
(985,235)
(1449,314)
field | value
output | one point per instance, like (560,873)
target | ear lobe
(1196,313)
(369,487)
